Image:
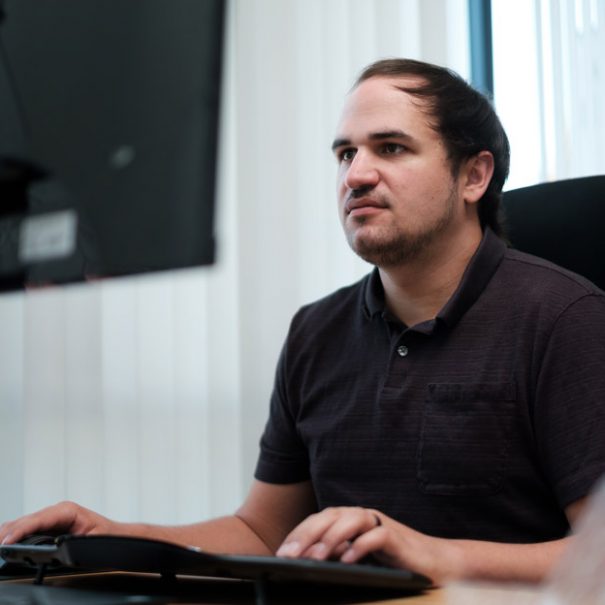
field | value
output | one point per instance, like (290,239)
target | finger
(15,531)
(347,527)
(406,548)
(340,549)
(56,518)
(306,534)
(375,542)
(320,536)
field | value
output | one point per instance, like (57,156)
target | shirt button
(402,350)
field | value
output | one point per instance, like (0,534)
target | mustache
(355,194)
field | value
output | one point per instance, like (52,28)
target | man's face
(396,192)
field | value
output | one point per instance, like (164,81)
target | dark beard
(402,247)
(391,253)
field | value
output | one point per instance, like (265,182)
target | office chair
(563,222)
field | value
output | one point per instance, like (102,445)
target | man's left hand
(349,534)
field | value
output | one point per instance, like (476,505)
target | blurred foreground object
(579,578)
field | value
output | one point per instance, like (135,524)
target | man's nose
(362,172)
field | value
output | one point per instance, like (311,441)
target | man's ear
(478,171)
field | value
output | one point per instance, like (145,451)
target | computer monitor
(109,121)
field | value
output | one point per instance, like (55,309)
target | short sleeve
(283,456)
(570,400)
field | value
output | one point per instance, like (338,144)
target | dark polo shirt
(483,423)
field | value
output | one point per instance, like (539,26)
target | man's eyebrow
(375,136)
(390,134)
(340,143)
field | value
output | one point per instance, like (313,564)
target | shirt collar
(374,294)
(475,278)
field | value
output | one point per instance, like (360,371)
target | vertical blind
(549,72)
(144,398)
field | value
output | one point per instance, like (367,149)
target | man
(445,413)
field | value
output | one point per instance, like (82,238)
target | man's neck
(418,290)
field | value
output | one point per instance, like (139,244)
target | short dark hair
(463,117)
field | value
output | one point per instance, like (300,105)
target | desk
(117,588)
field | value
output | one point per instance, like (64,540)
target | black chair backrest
(561,221)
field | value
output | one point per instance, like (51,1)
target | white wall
(144,398)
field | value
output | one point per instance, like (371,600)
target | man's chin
(384,252)
(376,252)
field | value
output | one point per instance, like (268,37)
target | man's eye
(392,148)
(346,155)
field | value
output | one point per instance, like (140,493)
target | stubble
(391,245)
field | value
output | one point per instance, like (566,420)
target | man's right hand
(259,526)
(61,518)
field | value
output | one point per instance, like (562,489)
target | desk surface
(117,588)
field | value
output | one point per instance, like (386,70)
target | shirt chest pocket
(465,437)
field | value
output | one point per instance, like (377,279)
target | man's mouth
(363,205)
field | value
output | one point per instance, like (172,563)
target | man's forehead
(379,104)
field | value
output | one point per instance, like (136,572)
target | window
(549,82)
